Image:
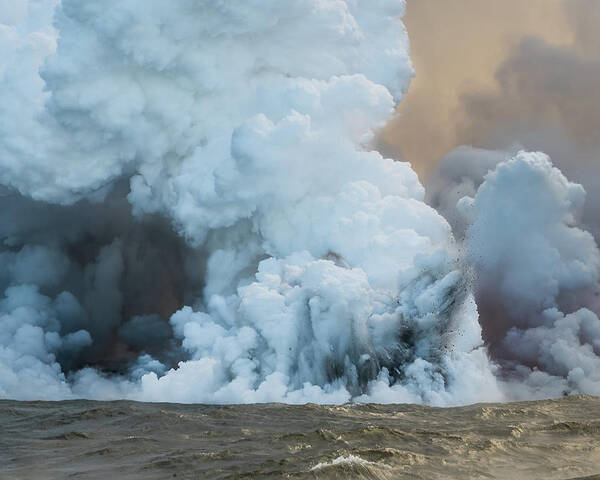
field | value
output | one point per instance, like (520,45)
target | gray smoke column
(191,211)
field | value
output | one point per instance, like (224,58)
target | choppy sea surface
(554,439)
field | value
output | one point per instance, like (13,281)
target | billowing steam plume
(190,212)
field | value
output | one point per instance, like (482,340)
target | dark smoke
(125,276)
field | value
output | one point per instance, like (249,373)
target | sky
(463,51)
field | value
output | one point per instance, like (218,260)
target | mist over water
(190,211)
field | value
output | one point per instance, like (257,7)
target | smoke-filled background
(501,76)
(498,77)
(193,209)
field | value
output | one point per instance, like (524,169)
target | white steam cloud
(533,263)
(190,212)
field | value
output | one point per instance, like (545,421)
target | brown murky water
(557,439)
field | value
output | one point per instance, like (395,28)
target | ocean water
(552,439)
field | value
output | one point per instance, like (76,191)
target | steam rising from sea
(190,212)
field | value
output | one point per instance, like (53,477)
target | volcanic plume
(192,211)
